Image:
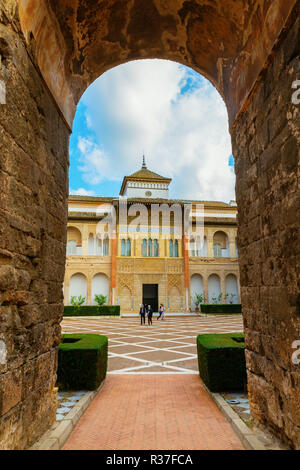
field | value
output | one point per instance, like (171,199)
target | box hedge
(221,360)
(91,310)
(82,361)
(221,308)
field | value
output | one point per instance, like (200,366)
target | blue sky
(162,109)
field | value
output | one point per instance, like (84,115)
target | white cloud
(81,192)
(95,165)
(139,107)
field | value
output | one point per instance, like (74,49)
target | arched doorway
(197,287)
(232,291)
(100,286)
(214,289)
(78,286)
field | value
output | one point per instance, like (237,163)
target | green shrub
(100,299)
(91,310)
(221,360)
(221,308)
(82,361)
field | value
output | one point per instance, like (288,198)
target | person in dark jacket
(149,314)
(142,314)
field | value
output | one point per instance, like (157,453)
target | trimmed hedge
(221,361)
(91,310)
(221,308)
(82,361)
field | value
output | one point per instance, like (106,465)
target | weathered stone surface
(33,215)
(269,242)
(227,41)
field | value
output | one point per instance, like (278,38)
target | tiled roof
(144,173)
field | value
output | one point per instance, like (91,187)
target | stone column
(232,247)
(210,245)
(89,289)
(85,240)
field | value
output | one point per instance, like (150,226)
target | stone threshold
(56,436)
(252,439)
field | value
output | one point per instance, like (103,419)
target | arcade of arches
(49,54)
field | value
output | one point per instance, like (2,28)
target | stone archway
(50,53)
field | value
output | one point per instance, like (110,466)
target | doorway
(150,296)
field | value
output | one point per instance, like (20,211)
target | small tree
(198,299)
(230,297)
(101,299)
(77,301)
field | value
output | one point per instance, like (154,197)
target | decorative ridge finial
(144,167)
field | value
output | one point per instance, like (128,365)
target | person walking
(149,314)
(163,312)
(160,311)
(142,314)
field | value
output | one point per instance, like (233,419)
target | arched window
(217,250)
(176,251)
(155,248)
(123,248)
(128,247)
(144,247)
(201,247)
(99,248)
(150,247)
(74,241)
(71,247)
(221,245)
(91,245)
(171,248)
(105,246)
(193,248)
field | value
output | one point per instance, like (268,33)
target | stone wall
(33,216)
(266,148)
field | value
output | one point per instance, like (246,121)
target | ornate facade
(135,249)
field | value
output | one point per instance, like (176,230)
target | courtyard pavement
(165,347)
(153,397)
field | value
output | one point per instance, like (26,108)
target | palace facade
(143,247)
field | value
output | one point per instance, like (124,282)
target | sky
(163,110)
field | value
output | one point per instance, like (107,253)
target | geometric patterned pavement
(153,397)
(165,347)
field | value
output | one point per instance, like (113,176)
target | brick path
(152,412)
(156,402)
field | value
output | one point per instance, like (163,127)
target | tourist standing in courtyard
(149,314)
(163,312)
(142,314)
